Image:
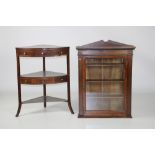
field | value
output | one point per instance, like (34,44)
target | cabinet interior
(105,84)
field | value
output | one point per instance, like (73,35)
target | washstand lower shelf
(42,98)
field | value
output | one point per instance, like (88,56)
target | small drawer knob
(60,53)
(24,53)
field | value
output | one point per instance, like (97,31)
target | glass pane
(104,84)
(95,72)
(103,60)
(101,88)
(102,95)
(103,103)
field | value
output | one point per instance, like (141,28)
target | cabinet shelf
(103,64)
(104,80)
(100,95)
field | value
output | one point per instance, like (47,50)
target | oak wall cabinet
(105,76)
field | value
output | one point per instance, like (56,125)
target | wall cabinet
(105,76)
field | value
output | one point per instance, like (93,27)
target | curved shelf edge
(43,77)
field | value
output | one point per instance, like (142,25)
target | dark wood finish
(68,85)
(43,77)
(19,86)
(106,45)
(44,85)
(42,98)
(41,51)
(105,75)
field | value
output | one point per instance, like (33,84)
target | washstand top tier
(42,46)
(41,51)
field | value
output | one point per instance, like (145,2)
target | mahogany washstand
(43,77)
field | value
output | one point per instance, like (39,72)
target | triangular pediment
(105,45)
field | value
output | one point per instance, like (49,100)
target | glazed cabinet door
(105,82)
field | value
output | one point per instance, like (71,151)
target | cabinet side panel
(80,69)
(129,86)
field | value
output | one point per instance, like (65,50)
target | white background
(143,77)
(69,12)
